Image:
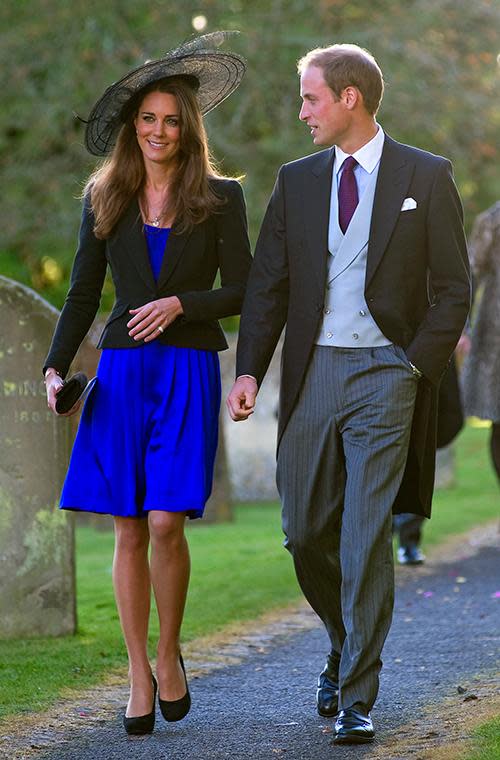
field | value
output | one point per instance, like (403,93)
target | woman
(481,369)
(165,222)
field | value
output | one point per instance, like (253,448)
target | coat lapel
(131,234)
(393,180)
(316,204)
(175,246)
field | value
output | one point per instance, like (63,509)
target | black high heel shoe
(142,724)
(176,709)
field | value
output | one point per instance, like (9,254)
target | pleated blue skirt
(147,436)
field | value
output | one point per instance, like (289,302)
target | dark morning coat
(407,252)
(190,265)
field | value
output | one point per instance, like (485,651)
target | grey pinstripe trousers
(340,464)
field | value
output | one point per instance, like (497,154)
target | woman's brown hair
(113,185)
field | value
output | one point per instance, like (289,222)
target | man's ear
(351,97)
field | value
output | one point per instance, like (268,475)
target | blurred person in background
(481,367)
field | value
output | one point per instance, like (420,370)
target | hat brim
(217,73)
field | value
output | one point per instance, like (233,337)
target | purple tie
(348,193)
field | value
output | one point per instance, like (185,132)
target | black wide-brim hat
(213,73)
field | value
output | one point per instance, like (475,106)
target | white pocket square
(409,204)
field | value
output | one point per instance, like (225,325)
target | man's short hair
(348,65)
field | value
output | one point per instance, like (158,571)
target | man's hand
(241,399)
(463,346)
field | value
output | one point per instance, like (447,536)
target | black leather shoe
(327,695)
(176,709)
(142,724)
(353,726)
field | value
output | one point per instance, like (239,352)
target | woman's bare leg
(132,584)
(170,567)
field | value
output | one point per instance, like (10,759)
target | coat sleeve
(235,259)
(83,298)
(449,279)
(266,301)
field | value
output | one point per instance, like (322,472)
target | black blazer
(190,265)
(406,252)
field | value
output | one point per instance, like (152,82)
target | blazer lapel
(173,251)
(316,204)
(393,180)
(131,234)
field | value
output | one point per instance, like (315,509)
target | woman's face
(157,126)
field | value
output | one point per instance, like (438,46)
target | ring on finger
(160,329)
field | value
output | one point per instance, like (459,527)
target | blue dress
(147,436)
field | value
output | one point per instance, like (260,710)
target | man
(353,240)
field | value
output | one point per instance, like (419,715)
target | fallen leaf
(470,697)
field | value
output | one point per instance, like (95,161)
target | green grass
(239,571)
(487,741)
(475,497)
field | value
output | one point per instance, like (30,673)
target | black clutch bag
(75,389)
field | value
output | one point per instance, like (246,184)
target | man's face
(327,116)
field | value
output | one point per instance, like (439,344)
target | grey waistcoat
(346,320)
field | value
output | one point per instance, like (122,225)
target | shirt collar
(367,156)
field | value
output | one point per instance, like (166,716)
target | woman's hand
(53,384)
(150,320)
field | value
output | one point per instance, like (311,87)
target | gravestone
(37,575)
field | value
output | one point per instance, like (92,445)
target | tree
(439,57)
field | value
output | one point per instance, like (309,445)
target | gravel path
(440,659)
